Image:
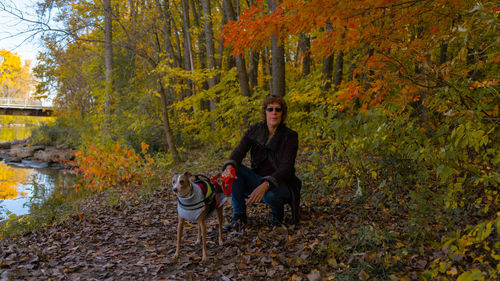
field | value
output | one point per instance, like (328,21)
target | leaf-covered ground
(135,240)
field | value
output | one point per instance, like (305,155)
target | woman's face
(273,114)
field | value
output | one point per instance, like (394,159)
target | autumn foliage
(396,104)
(116,168)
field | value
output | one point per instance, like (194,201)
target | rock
(50,155)
(22,152)
(19,142)
(5,145)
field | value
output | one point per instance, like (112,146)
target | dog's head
(181,185)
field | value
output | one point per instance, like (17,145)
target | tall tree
(209,42)
(209,39)
(240,60)
(164,15)
(278,58)
(108,57)
(327,64)
(304,53)
(188,53)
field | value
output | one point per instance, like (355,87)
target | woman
(271,178)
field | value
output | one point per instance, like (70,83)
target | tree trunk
(253,64)
(209,43)
(339,65)
(220,48)
(304,53)
(163,92)
(253,68)
(166,122)
(443,52)
(267,65)
(177,40)
(209,39)
(164,15)
(278,59)
(202,49)
(327,66)
(240,61)
(108,61)
(188,54)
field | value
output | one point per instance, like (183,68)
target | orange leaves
(252,27)
(144,147)
(116,168)
(484,84)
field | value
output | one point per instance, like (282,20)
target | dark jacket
(280,150)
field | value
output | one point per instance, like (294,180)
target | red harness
(227,182)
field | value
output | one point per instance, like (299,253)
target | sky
(12,31)
(15,35)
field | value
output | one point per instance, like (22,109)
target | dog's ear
(174,177)
(187,174)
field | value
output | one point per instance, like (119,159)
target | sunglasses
(271,109)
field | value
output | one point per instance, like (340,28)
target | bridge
(27,107)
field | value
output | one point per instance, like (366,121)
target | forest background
(395,102)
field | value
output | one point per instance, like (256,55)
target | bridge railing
(8,102)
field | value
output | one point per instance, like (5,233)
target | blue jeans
(247,181)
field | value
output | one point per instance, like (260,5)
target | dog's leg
(220,219)
(198,239)
(203,227)
(180,226)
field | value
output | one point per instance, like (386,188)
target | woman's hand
(258,193)
(227,172)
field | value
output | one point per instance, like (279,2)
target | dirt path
(136,240)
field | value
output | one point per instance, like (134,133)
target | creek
(22,186)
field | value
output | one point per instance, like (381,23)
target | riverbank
(21,153)
(130,233)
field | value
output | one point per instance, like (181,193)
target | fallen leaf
(363,275)
(332,261)
(315,275)
(453,271)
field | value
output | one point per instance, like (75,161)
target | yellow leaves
(15,78)
(332,261)
(472,275)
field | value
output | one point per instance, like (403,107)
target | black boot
(237,220)
(276,220)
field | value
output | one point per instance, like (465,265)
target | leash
(227,182)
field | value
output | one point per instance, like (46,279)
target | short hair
(274,99)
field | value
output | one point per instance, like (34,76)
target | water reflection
(10,177)
(14,133)
(21,187)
